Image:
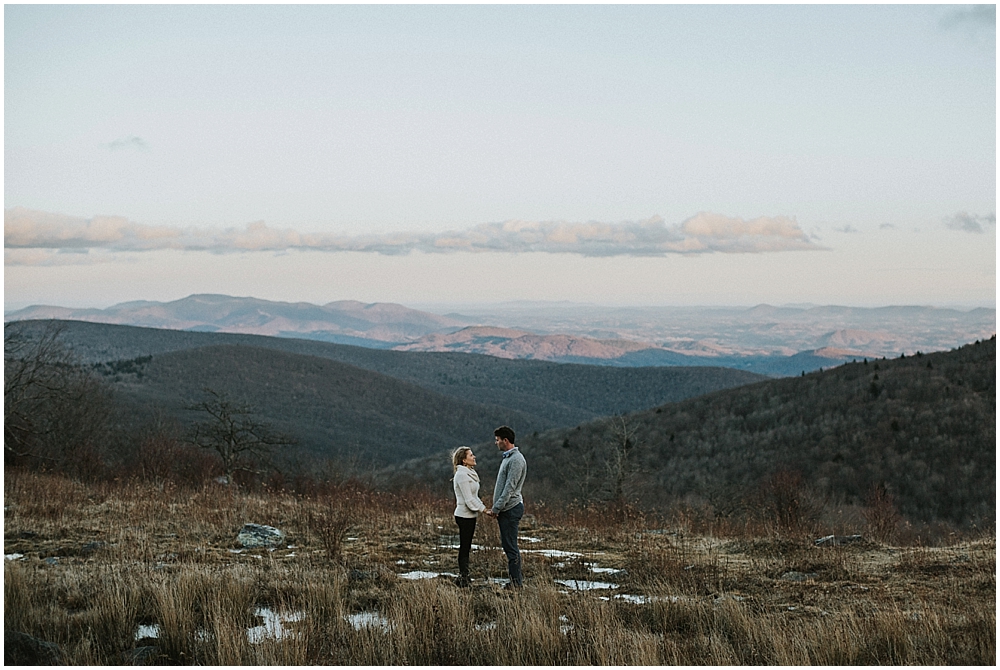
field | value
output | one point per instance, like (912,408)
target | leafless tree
(242,442)
(619,463)
(54,408)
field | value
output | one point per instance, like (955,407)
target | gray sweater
(510,478)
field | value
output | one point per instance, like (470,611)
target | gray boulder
(148,655)
(255,535)
(23,649)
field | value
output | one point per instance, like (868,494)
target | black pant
(466,529)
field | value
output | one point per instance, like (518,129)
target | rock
(255,535)
(837,540)
(141,656)
(797,576)
(91,547)
(23,649)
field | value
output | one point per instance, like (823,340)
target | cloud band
(703,233)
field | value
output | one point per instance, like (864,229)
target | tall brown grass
(162,556)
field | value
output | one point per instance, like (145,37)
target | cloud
(887,226)
(847,229)
(971,223)
(973,16)
(702,233)
(55,257)
(129,142)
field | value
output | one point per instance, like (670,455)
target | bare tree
(54,408)
(242,442)
(618,462)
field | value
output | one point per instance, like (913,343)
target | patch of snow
(552,553)
(419,574)
(144,630)
(13,557)
(372,620)
(529,539)
(584,585)
(272,626)
(489,625)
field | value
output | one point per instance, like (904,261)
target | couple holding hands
(508,506)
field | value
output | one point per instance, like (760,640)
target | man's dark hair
(505,433)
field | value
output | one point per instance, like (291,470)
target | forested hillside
(561,394)
(329,408)
(923,427)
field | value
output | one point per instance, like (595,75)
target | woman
(466,481)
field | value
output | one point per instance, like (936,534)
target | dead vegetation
(123,572)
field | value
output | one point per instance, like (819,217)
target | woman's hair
(458,456)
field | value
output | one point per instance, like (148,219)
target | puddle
(272,627)
(584,585)
(368,620)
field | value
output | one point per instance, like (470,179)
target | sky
(619,155)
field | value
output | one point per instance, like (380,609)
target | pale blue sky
(845,153)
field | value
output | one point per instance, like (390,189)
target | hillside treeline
(920,430)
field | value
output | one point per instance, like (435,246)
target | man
(508,506)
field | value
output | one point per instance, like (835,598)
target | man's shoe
(463,582)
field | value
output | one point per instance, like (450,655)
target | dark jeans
(466,529)
(509,522)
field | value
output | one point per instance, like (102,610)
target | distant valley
(775,341)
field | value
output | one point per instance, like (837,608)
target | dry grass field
(123,573)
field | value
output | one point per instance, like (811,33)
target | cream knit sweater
(466,481)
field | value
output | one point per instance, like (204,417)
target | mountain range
(775,341)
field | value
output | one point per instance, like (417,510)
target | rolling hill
(335,398)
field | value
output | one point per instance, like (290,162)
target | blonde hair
(458,456)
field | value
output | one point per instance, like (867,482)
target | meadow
(128,572)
